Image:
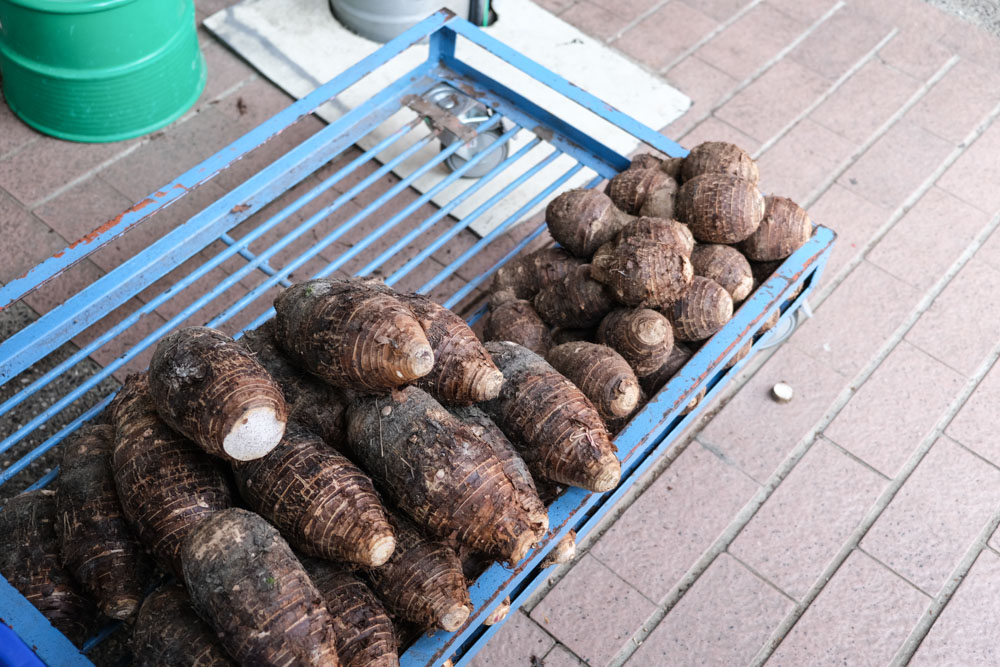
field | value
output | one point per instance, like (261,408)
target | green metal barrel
(99,70)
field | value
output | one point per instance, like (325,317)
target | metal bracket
(439,118)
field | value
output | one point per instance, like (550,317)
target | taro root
(769,323)
(763,270)
(554,426)
(661,230)
(679,356)
(96,544)
(694,401)
(563,552)
(630,189)
(785,228)
(527,274)
(740,355)
(719,208)
(517,321)
(720,157)
(29,560)
(169,632)
(602,375)
(701,310)
(642,336)
(565,335)
(660,202)
(578,300)
(674,167)
(351,334)
(583,220)
(645,161)
(498,614)
(725,265)
(210,388)
(640,271)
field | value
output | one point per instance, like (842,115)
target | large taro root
(555,428)
(29,560)
(632,189)
(443,476)
(725,265)
(209,388)
(700,311)
(583,220)
(169,632)
(166,483)
(602,375)
(720,157)
(641,271)
(642,336)
(320,501)
(311,402)
(96,544)
(526,275)
(660,230)
(577,301)
(423,581)
(361,627)
(246,582)
(655,381)
(719,208)
(785,228)
(351,334)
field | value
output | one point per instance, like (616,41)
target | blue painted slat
(35,631)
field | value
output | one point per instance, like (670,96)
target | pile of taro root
(645,272)
(321,491)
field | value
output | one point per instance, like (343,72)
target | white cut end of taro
(381,550)
(782,392)
(455,617)
(608,478)
(254,435)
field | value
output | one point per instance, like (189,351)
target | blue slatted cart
(315,183)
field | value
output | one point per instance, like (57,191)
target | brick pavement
(854,525)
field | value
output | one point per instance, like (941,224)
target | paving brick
(802,526)
(855,220)
(802,160)
(873,302)
(27,240)
(839,43)
(805,11)
(664,35)
(209,7)
(83,208)
(989,252)
(753,109)
(959,102)
(674,521)
(124,341)
(723,619)
(916,52)
(954,329)
(63,286)
(865,101)
(746,45)
(592,611)
(861,617)
(225,69)
(936,515)
(756,433)
(978,422)
(14,133)
(973,42)
(713,129)
(964,632)
(518,642)
(554,6)
(896,165)
(905,252)
(627,9)
(31,175)
(593,20)
(720,10)
(169,154)
(559,656)
(704,84)
(974,173)
(895,408)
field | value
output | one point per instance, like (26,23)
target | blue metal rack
(267,247)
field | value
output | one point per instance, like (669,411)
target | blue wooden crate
(641,442)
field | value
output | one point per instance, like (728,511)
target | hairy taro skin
(630,189)
(517,321)
(785,228)
(602,375)
(96,544)
(583,220)
(578,301)
(642,272)
(719,208)
(720,157)
(527,274)
(725,265)
(701,310)
(642,336)
(655,381)
(245,580)
(351,334)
